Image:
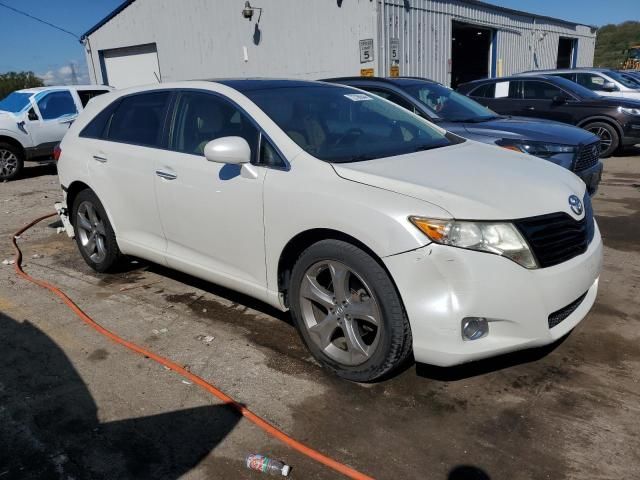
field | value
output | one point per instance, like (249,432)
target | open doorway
(566,53)
(470,53)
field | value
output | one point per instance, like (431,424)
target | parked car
(605,82)
(34,120)
(342,207)
(635,74)
(615,120)
(564,145)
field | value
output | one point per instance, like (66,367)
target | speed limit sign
(366,50)
(394,49)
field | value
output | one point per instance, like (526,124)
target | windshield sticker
(358,97)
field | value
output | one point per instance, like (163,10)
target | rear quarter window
(488,90)
(97,128)
(86,95)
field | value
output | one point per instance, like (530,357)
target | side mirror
(231,150)
(32,115)
(559,99)
(609,87)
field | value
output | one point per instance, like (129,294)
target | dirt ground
(75,405)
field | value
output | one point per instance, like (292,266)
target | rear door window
(86,95)
(139,119)
(56,105)
(536,90)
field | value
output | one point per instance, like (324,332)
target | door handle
(166,175)
(100,158)
(529,108)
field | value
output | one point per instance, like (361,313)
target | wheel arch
(15,143)
(303,240)
(74,189)
(604,119)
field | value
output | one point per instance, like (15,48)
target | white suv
(34,120)
(383,233)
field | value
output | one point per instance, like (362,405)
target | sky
(28,45)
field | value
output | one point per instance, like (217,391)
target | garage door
(130,66)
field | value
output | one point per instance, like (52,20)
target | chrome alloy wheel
(605,137)
(8,163)
(91,230)
(340,313)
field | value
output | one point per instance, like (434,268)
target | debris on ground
(206,338)
(8,262)
(158,332)
(36,256)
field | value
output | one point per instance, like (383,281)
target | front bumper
(441,285)
(591,177)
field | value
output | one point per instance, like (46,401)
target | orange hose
(245,412)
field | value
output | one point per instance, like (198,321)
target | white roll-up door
(131,66)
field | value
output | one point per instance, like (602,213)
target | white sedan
(383,234)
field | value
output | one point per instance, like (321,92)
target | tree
(12,81)
(612,41)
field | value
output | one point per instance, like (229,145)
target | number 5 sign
(366,50)
(394,49)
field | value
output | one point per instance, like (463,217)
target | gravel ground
(75,405)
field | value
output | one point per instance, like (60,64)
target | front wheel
(94,235)
(609,137)
(348,311)
(11,162)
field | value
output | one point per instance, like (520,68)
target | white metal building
(450,41)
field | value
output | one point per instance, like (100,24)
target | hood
(532,130)
(7,117)
(472,181)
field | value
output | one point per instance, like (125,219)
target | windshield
(448,104)
(15,102)
(339,124)
(624,80)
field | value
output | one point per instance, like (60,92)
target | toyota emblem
(576,204)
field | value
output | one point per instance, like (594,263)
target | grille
(556,317)
(587,157)
(557,237)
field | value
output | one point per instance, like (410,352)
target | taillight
(57,151)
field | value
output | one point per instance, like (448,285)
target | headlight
(544,150)
(629,111)
(500,238)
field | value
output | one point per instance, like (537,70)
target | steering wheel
(352,133)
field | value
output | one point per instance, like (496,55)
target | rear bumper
(591,177)
(442,285)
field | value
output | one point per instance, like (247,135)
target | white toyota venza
(384,235)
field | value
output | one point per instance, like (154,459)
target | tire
(11,161)
(609,137)
(358,328)
(95,237)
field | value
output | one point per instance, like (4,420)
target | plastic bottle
(268,465)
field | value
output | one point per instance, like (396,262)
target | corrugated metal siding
(318,38)
(205,39)
(524,42)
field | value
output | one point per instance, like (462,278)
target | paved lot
(74,405)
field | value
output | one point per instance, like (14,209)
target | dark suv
(615,120)
(564,145)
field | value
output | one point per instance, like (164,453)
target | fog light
(474,328)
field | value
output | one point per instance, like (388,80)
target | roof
(389,80)
(250,84)
(56,87)
(477,3)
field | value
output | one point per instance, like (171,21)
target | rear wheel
(11,161)
(609,137)
(94,235)
(348,311)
